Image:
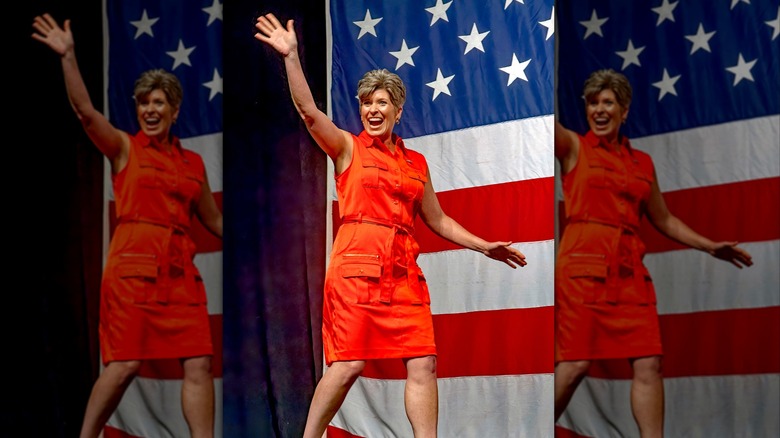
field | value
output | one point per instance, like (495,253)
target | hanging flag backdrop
(185,38)
(479,79)
(705,107)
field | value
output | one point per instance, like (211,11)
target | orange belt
(387,286)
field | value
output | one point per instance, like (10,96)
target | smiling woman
(152,301)
(605,302)
(376,303)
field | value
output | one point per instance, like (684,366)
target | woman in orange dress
(376,303)
(152,302)
(605,306)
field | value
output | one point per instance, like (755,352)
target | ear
(176,114)
(625,114)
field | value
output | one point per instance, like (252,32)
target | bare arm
(112,142)
(674,228)
(567,147)
(447,228)
(207,211)
(332,140)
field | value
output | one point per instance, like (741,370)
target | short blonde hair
(382,79)
(151,80)
(608,79)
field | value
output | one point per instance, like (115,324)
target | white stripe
(210,149)
(469,407)
(722,406)
(210,266)
(693,281)
(467,281)
(152,408)
(511,151)
(717,154)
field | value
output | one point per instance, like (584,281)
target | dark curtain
(54,179)
(275,221)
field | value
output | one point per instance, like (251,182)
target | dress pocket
(374,173)
(589,279)
(138,278)
(361,274)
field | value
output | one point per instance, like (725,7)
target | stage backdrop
(705,107)
(479,78)
(185,38)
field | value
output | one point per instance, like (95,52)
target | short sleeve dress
(153,302)
(376,303)
(605,303)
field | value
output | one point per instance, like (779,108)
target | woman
(153,302)
(376,302)
(604,297)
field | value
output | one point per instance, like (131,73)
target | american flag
(479,78)
(706,105)
(185,38)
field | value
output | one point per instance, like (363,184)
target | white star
(144,25)
(516,70)
(630,55)
(700,40)
(593,25)
(215,85)
(181,55)
(666,85)
(367,25)
(440,84)
(665,12)
(775,24)
(214,11)
(439,11)
(742,70)
(509,2)
(474,39)
(734,2)
(549,24)
(404,55)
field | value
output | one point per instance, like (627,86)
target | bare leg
(568,376)
(647,396)
(197,396)
(330,394)
(106,394)
(421,396)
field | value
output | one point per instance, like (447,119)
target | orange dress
(376,303)
(604,296)
(153,302)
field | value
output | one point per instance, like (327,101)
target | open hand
(729,252)
(503,252)
(50,33)
(275,35)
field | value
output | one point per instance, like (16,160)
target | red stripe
(335,432)
(111,432)
(488,343)
(171,368)
(716,343)
(204,240)
(519,211)
(747,211)
(561,432)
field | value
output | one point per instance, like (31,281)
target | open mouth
(375,122)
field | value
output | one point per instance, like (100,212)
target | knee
(348,371)
(197,368)
(125,370)
(421,368)
(648,369)
(572,371)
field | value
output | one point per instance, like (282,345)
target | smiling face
(379,115)
(156,114)
(605,114)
